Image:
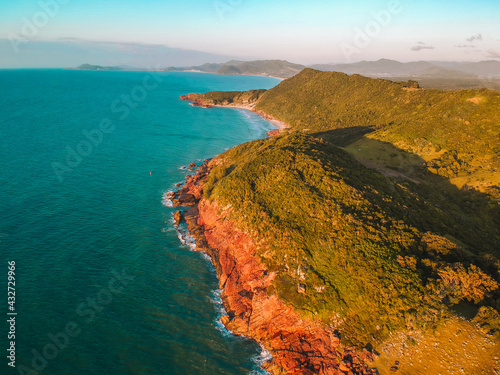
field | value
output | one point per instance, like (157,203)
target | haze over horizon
(63,33)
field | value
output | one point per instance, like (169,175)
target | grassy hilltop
(378,210)
(453,134)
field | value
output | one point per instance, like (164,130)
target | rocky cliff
(338,230)
(298,345)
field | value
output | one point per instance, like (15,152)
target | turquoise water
(103,284)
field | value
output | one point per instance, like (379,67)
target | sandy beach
(251,107)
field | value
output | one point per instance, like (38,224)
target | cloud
(465,46)
(493,54)
(421,46)
(475,37)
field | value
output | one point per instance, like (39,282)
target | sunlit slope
(453,134)
(361,251)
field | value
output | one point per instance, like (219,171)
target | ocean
(103,284)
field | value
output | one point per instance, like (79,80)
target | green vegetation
(379,212)
(231,97)
(398,111)
(366,253)
(453,134)
(456,347)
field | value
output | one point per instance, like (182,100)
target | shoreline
(275,122)
(280,125)
(297,345)
(221,74)
(244,190)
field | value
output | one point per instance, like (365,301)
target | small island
(96,67)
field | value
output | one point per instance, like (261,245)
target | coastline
(298,345)
(280,125)
(222,74)
(258,186)
(277,123)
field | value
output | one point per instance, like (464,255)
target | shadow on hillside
(345,136)
(465,216)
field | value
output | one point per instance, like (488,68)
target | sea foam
(165,199)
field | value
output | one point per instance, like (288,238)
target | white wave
(185,238)
(165,199)
(216,299)
(181,237)
(191,242)
(208,258)
(259,360)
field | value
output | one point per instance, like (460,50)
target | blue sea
(103,284)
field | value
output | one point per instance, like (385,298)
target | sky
(306,32)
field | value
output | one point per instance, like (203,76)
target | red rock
(178,217)
(225,320)
(343,367)
(272,133)
(196,102)
(298,345)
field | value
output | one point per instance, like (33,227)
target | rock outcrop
(195,101)
(298,345)
(178,217)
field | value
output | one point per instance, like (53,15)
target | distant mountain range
(72,52)
(275,68)
(441,75)
(272,68)
(98,67)
(392,68)
(436,74)
(377,69)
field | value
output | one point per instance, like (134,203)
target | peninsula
(364,237)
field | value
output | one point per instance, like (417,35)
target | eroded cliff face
(298,345)
(196,101)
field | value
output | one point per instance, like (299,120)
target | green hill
(378,211)
(437,74)
(366,254)
(454,134)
